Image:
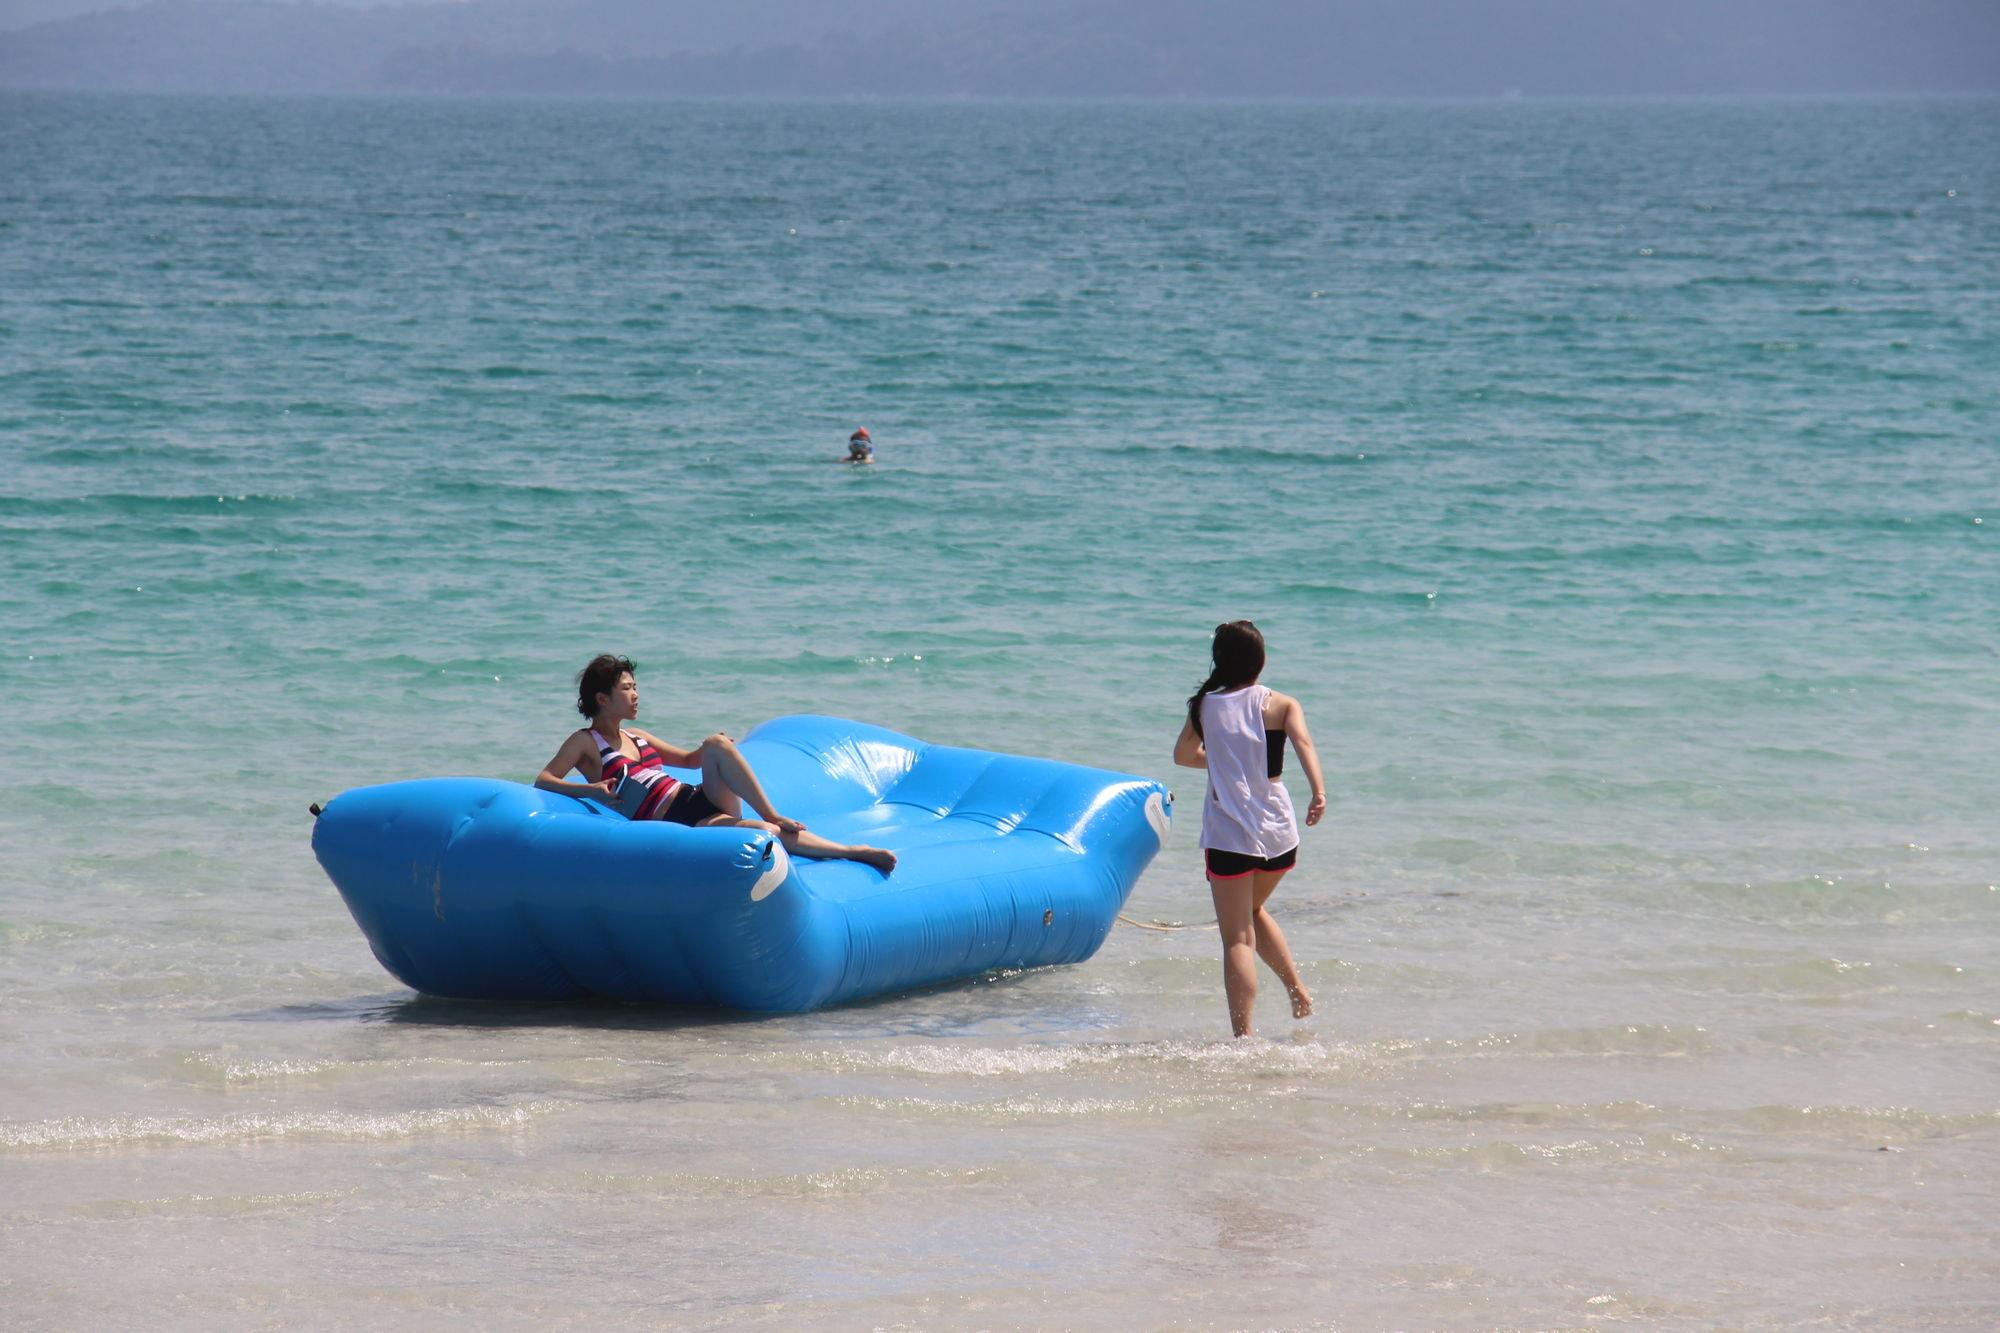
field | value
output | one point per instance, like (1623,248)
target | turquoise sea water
(1615,484)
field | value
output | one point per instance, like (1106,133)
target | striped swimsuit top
(649,770)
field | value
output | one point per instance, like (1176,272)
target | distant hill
(1024,48)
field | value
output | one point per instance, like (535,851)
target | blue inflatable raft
(483,889)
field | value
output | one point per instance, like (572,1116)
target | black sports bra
(1274,752)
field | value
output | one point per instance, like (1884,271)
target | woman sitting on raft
(626,769)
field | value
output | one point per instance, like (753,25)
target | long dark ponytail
(1238,657)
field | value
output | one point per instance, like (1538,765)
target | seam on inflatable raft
(674,942)
(611,951)
(535,932)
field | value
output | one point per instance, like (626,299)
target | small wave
(460,485)
(134,504)
(1826,897)
(1535,1115)
(1787,754)
(1242,453)
(840,1182)
(1508,394)
(254,1071)
(1504,1155)
(232,1070)
(200,200)
(1823,980)
(813,663)
(1030,1107)
(601,399)
(1651,1039)
(1336,592)
(210,1205)
(314,407)
(1749,280)
(1902,1122)
(16,933)
(1236,1058)
(84,1132)
(117,451)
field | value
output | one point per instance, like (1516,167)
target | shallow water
(1614,483)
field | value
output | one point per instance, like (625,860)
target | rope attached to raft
(1125,920)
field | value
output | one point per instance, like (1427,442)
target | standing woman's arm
(1189,752)
(1302,741)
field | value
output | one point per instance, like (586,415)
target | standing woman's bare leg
(1235,917)
(1271,945)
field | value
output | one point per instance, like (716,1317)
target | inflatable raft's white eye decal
(1158,816)
(774,875)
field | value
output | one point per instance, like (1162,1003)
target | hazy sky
(21,13)
(741,20)
(1064,48)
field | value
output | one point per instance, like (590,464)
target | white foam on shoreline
(1235,1057)
(94,1132)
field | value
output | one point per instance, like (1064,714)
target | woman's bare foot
(1302,1003)
(881,858)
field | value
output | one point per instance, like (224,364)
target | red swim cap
(860,433)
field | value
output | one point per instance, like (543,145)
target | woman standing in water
(626,768)
(1236,729)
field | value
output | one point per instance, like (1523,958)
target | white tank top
(1247,811)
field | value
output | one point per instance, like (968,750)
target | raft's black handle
(314,809)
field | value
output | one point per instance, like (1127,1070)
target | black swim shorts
(690,805)
(1235,865)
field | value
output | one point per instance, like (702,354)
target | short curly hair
(600,677)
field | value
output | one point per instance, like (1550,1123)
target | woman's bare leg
(1235,917)
(728,781)
(1271,945)
(815,848)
